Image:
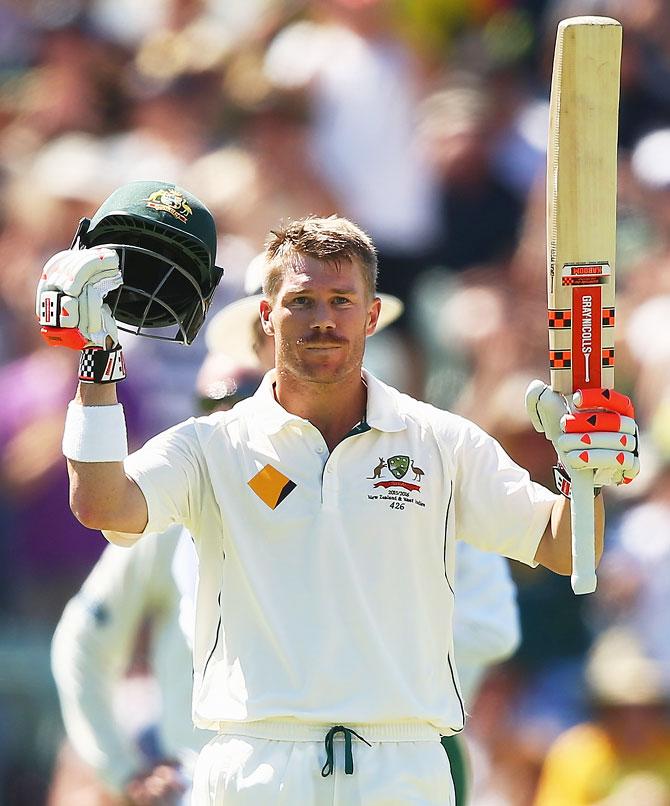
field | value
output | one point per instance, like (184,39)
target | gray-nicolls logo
(587,333)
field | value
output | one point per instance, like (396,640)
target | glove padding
(71,291)
(600,433)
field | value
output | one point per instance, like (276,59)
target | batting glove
(599,434)
(70,294)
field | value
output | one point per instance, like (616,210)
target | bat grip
(583,532)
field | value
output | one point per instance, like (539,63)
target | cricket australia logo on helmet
(171,201)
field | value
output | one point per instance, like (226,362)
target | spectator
(622,755)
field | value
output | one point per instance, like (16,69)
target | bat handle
(583,533)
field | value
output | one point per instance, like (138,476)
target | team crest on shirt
(399,490)
(398,465)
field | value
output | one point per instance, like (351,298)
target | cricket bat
(581,235)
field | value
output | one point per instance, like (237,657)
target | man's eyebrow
(342,291)
(349,290)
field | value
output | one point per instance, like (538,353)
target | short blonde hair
(331,240)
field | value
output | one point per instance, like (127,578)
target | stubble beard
(298,363)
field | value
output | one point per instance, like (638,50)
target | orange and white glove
(70,298)
(598,432)
(72,312)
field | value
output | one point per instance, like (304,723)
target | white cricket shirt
(326,579)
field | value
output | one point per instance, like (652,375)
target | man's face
(320,319)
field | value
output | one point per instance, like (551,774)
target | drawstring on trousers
(329,766)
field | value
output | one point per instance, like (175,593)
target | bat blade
(581,234)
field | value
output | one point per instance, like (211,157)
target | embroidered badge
(395,490)
(171,201)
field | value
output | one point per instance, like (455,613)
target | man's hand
(161,786)
(600,433)
(70,294)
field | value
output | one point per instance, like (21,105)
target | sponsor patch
(271,486)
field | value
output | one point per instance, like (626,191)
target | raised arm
(555,549)
(101,494)
(146,258)
(71,309)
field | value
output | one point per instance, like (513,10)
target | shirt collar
(272,415)
(382,409)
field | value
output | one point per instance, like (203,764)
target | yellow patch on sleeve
(271,486)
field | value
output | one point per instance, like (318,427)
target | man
(621,754)
(323,649)
(486,622)
(154,582)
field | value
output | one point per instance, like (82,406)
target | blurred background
(425,122)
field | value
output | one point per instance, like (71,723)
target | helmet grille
(159,287)
(119,226)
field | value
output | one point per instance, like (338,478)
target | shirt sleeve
(91,650)
(168,469)
(498,507)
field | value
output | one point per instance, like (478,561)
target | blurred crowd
(424,121)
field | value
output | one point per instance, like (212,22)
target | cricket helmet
(166,241)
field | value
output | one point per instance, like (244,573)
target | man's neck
(333,408)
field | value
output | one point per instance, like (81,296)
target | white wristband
(95,433)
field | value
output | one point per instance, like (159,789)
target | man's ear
(266,320)
(373,316)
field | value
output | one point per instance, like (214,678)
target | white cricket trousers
(290,763)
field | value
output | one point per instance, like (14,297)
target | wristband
(95,433)
(102,366)
(564,483)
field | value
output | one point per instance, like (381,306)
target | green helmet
(166,240)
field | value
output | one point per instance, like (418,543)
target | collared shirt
(326,579)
